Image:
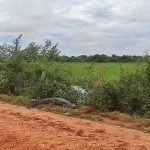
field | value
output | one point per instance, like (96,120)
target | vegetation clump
(36,72)
(129,94)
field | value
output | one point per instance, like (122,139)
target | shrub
(130,94)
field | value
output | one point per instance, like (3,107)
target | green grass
(135,128)
(76,72)
(16,100)
(68,112)
(111,71)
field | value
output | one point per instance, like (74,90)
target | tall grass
(79,71)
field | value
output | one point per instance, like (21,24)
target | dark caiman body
(55,101)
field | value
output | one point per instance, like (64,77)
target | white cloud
(81,27)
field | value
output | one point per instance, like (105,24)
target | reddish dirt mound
(30,129)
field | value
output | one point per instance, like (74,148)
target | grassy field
(77,72)
(111,71)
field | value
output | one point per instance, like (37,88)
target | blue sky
(80,27)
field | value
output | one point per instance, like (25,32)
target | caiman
(55,101)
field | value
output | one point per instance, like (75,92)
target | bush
(37,76)
(130,94)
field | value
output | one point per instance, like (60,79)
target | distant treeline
(35,51)
(101,58)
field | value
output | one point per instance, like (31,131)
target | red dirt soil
(31,129)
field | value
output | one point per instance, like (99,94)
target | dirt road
(30,129)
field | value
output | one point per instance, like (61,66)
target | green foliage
(34,72)
(130,94)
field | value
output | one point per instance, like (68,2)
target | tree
(31,53)
(50,51)
(17,43)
